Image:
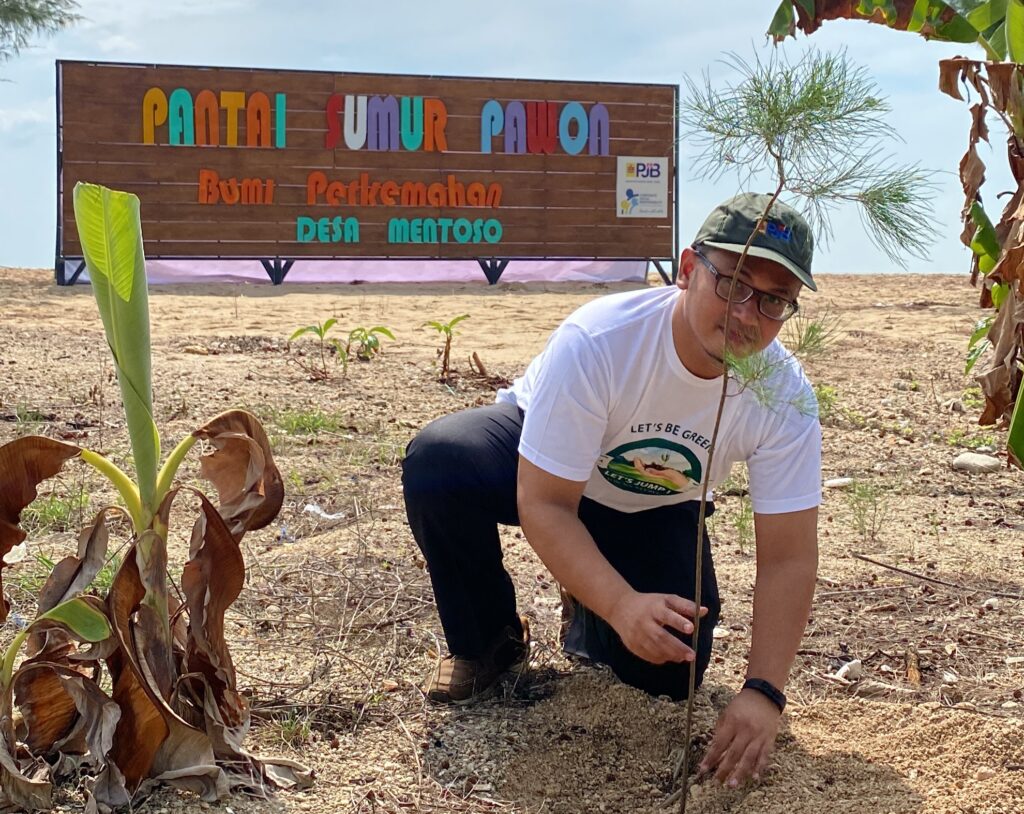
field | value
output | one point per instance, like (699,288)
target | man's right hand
(549,513)
(641,620)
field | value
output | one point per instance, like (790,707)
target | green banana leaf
(933,19)
(1015,30)
(1015,439)
(988,14)
(77,614)
(110,229)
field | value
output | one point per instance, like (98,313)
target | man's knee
(437,459)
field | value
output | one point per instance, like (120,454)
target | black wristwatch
(768,690)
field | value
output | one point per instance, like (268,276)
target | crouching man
(598,453)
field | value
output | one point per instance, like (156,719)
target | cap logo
(776,229)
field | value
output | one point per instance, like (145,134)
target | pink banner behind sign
(394,271)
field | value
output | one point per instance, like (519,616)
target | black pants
(459,481)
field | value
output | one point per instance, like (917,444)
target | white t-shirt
(609,402)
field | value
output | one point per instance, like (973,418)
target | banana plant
(997,81)
(174,713)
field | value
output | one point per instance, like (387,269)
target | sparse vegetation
(827,397)
(53,512)
(810,336)
(967,440)
(27,420)
(973,398)
(312,421)
(295,730)
(330,611)
(743,522)
(362,344)
(870,509)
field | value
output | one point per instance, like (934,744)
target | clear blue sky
(638,41)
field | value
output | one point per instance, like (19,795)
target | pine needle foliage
(817,128)
(21,20)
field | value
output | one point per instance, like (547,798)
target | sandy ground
(335,630)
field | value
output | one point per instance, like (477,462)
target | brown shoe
(568,613)
(459,680)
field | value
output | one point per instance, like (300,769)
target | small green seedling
(975,347)
(870,509)
(447,330)
(827,397)
(322,371)
(366,342)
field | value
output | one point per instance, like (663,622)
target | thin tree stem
(705,483)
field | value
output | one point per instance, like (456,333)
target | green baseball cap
(784,237)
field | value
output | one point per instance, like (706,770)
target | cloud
(640,41)
(32,116)
(118,44)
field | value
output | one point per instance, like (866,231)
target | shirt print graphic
(651,466)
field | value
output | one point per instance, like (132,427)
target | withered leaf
(1004,80)
(72,575)
(211,581)
(24,464)
(949,76)
(186,760)
(972,173)
(242,469)
(979,130)
(30,792)
(996,382)
(97,719)
(148,725)
(108,790)
(141,728)
(47,710)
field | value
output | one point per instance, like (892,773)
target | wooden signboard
(284,165)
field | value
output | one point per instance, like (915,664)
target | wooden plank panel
(159,201)
(536,228)
(232,161)
(552,205)
(574,208)
(106,101)
(225,217)
(307,131)
(268,249)
(80,77)
(109,173)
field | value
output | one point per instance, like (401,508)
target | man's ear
(687,264)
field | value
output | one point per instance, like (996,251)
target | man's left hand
(744,739)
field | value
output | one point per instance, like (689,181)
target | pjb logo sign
(642,187)
(642,170)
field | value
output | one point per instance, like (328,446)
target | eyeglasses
(770,305)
